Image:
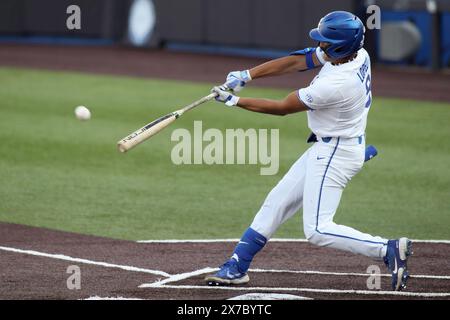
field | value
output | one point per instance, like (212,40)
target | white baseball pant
(315,182)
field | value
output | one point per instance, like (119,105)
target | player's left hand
(225,96)
(236,80)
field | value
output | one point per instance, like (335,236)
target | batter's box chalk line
(182,276)
(186,275)
(313,272)
(110,298)
(85,261)
(311,290)
(178,277)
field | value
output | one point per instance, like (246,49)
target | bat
(157,125)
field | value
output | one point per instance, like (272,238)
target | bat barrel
(145,132)
(154,127)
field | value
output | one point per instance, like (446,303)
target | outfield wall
(265,23)
(242,24)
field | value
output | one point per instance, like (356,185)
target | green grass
(60,173)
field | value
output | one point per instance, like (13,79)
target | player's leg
(329,170)
(281,203)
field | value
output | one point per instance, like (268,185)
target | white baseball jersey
(339,98)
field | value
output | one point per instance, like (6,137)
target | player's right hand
(236,80)
(225,96)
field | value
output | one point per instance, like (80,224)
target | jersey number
(368,91)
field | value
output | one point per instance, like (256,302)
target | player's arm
(290,104)
(292,63)
(300,60)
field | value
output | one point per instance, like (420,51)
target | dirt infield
(388,82)
(34,264)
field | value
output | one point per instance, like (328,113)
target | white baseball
(82,113)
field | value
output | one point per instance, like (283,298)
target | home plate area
(35,264)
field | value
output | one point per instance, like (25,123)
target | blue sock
(251,243)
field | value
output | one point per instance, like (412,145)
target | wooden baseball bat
(157,125)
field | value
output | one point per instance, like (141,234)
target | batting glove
(236,80)
(225,96)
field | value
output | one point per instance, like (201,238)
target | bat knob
(122,148)
(371,152)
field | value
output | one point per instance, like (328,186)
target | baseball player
(337,102)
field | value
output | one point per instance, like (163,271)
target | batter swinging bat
(157,125)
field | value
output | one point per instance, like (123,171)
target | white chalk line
(311,290)
(271,240)
(182,276)
(178,277)
(109,298)
(186,275)
(416,276)
(85,261)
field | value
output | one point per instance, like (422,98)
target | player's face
(324,45)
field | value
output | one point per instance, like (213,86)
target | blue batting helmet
(342,30)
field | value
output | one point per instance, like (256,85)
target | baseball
(82,113)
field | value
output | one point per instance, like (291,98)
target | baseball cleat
(227,275)
(397,254)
